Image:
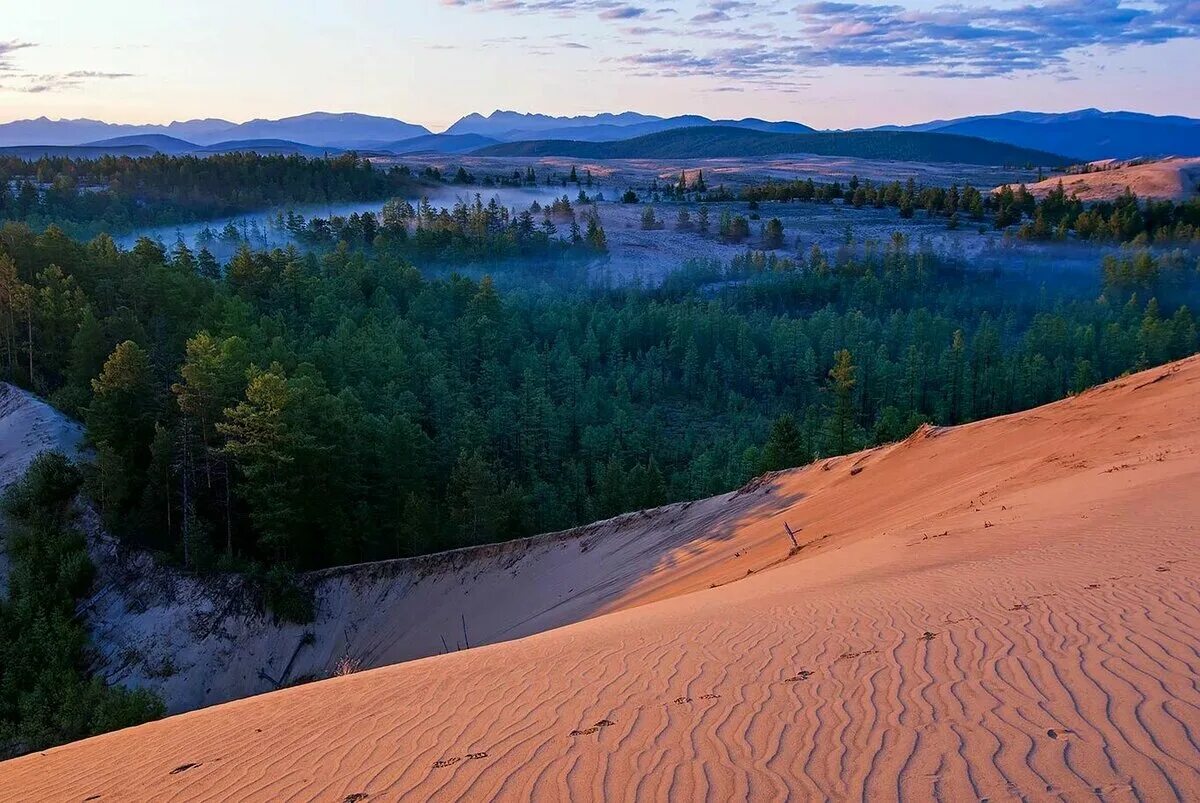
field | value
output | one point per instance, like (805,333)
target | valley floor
(1004,610)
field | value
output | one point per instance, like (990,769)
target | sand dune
(1175,179)
(1004,610)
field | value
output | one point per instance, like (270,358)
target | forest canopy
(303,410)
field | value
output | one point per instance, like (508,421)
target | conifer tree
(841,384)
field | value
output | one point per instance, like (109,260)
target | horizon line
(433,130)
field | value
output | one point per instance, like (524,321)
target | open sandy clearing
(733,172)
(1004,610)
(1176,179)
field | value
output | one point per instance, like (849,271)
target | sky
(827,64)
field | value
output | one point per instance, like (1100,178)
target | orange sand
(1175,179)
(1008,609)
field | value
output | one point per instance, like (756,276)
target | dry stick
(791,535)
(466,640)
(445,646)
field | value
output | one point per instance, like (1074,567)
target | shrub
(285,598)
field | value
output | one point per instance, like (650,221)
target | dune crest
(1007,609)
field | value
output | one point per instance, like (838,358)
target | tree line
(1127,219)
(465,232)
(117,194)
(1057,216)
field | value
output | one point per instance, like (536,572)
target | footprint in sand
(802,675)
(604,723)
(355,797)
(450,762)
(1020,606)
(184,767)
(1112,789)
(685,700)
(1091,586)
(1162,569)
(1054,733)
(927,636)
(849,655)
(928,537)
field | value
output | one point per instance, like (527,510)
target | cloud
(747,62)
(80,74)
(16,80)
(37,83)
(604,9)
(980,40)
(7,49)
(726,11)
(755,41)
(622,13)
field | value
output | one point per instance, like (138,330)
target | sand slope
(28,426)
(1176,179)
(1004,610)
(202,640)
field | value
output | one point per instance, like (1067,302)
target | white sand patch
(28,427)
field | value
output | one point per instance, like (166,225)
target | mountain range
(516,127)
(1085,134)
(319,129)
(1082,135)
(138,145)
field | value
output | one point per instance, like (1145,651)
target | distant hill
(44,131)
(139,145)
(34,152)
(268,147)
(318,129)
(779,127)
(438,143)
(325,129)
(158,142)
(610,133)
(515,127)
(1085,135)
(718,141)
